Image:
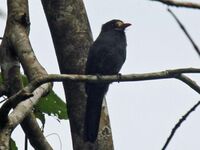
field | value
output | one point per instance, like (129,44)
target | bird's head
(115,24)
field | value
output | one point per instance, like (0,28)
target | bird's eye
(119,24)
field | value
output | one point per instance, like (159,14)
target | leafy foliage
(13,145)
(52,105)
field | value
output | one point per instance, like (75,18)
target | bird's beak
(125,25)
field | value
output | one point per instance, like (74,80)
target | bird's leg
(98,76)
(119,76)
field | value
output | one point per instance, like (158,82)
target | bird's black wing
(106,57)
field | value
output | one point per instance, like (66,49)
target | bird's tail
(95,97)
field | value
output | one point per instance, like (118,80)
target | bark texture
(12,49)
(72,38)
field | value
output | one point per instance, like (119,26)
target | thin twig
(189,82)
(179,124)
(56,134)
(180,3)
(185,31)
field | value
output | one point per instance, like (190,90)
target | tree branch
(21,43)
(189,82)
(9,104)
(180,3)
(25,107)
(175,73)
(186,32)
(21,111)
(172,73)
(179,124)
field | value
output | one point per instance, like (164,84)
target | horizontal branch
(175,73)
(180,3)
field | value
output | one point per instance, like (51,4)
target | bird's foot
(119,76)
(98,76)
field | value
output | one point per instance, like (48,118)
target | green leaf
(51,105)
(24,79)
(13,145)
(41,116)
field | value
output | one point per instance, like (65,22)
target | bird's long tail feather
(95,97)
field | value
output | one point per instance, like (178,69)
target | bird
(106,56)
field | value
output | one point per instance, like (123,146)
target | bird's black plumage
(106,57)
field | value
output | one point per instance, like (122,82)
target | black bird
(106,57)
